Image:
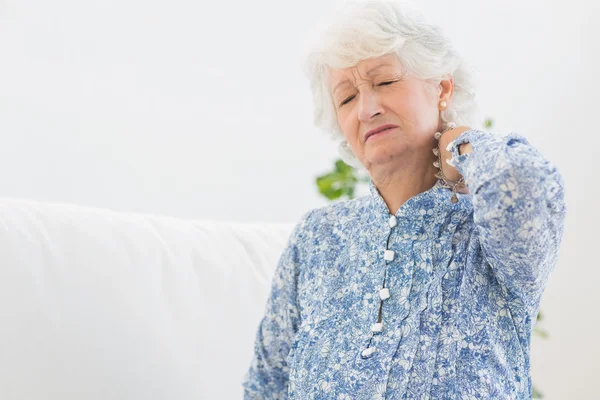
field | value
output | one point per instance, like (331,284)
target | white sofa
(98,304)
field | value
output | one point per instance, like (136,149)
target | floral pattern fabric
(465,281)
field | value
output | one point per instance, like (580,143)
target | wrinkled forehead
(366,69)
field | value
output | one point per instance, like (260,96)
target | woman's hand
(451,172)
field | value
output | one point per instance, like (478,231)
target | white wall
(199,110)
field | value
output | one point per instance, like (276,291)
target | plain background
(199,110)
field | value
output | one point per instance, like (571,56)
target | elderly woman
(428,287)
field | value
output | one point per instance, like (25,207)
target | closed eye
(381,84)
(347,100)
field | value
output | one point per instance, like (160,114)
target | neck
(398,184)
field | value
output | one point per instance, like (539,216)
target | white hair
(372,28)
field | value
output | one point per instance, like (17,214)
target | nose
(369,105)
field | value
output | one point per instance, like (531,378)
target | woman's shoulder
(323,219)
(320,228)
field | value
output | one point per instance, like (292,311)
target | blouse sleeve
(267,377)
(518,210)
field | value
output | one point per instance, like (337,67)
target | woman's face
(377,92)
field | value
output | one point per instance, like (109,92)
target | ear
(446,89)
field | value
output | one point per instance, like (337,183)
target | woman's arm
(518,208)
(267,377)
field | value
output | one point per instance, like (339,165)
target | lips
(380,129)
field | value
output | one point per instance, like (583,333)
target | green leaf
(536,394)
(342,167)
(340,182)
(540,332)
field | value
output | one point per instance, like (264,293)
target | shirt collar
(421,205)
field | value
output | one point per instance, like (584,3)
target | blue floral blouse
(435,302)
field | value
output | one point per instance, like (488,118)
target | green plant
(342,182)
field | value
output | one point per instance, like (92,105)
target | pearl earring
(443,104)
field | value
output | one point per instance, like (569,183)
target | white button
(378,327)
(384,293)
(368,352)
(389,255)
(393,221)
